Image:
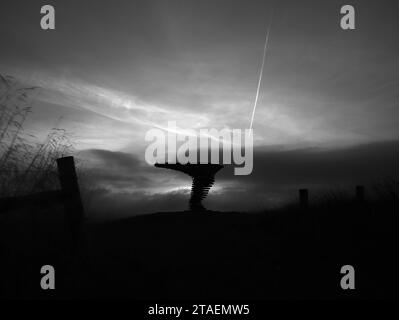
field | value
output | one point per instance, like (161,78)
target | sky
(112,70)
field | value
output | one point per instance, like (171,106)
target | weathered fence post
(303,198)
(360,194)
(70,189)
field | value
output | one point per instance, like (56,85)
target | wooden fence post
(303,198)
(360,194)
(70,189)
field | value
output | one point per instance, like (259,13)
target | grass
(26,164)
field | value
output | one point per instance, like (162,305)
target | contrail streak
(261,69)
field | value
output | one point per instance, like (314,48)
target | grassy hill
(289,253)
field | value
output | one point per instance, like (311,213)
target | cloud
(120,160)
(321,166)
(278,174)
(121,172)
(192,63)
(117,71)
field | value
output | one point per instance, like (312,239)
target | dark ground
(284,254)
